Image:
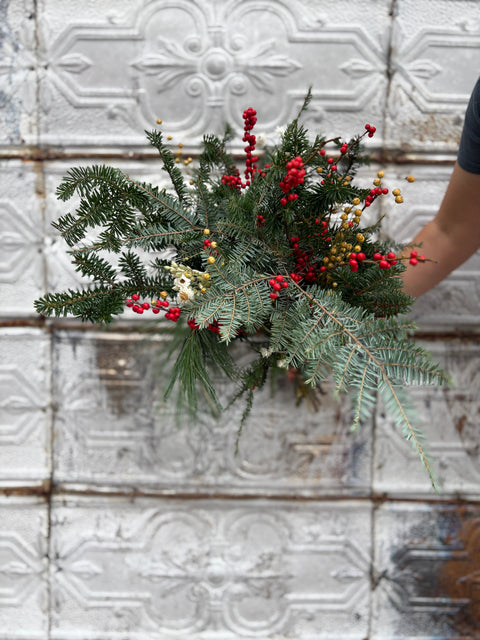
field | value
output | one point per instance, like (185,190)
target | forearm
(436,246)
(451,237)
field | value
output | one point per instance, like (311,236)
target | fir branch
(156,140)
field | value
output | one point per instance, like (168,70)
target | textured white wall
(117,525)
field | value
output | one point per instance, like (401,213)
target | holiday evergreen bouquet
(278,258)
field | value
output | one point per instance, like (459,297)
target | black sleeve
(469,150)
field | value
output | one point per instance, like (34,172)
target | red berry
(413,261)
(377,256)
(273,296)
(361,256)
(391,255)
(135,296)
(283,201)
(383,264)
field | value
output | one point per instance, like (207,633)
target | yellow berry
(180,145)
(325,259)
(347,209)
(169,137)
(210,259)
(396,192)
(206,232)
(357,212)
(213,245)
(163,294)
(377,182)
(333,250)
(357,248)
(345,225)
(177,159)
(410,179)
(356,201)
(380,174)
(206,276)
(203,290)
(192,182)
(344,216)
(319,170)
(360,237)
(356,220)
(399,199)
(159,121)
(334,284)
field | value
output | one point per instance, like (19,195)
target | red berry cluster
(373,194)
(173,314)
(192,324)
(356,259)
(278,283)
(233,181)
(249,117)
(414,258)
(371,130)
(295,176)
(260,221)
(344,148)
(214,326)
(155,307)
(387,261)
(303,268)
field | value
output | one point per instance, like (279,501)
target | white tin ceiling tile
(206,569)
(24,596)
(113,429)
(25,419)
(435,61)
(113,70)
(18,73)
(455,302)
(426,566)
(21,242)
(448,418)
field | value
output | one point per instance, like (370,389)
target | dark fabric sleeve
(469,150)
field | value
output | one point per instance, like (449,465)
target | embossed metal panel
(426,568)
(209,569)
(25,419)
(112,428)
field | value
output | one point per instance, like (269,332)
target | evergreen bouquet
(278,258)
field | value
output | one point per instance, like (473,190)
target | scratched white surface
(173,535)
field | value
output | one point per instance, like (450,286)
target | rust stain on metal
(459,576)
